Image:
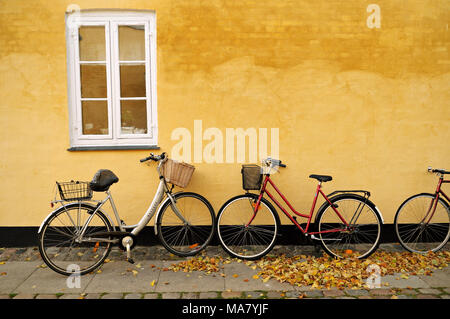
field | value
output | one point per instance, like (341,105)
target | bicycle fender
(381,215)
(325,204)
(46,218)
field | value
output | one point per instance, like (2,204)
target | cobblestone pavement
(417,287)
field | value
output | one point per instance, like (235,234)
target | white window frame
(111,19)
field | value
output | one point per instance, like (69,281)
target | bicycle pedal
(130,260)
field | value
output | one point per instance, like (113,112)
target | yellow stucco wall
(368,106)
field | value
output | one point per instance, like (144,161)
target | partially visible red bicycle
(347,224)
(422,222)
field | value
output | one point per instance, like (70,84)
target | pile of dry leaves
(326,272)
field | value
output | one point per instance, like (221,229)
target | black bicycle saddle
(102,180)
(321,178)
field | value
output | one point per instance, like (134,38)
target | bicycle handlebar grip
(282,165)
(145,159)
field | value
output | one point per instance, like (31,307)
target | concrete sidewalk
(23,276)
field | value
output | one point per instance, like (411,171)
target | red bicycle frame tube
(434,202)
(311,212)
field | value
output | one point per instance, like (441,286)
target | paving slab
(412,281)
(245,281)
(198,281)
(121,276)
(439,278)
(47,281)
(16,274)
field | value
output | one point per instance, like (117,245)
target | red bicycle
(347,224)
(422,222)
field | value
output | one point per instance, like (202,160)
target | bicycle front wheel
(62,249)
(187,228)
(244,233)
(359,236)
(421,228)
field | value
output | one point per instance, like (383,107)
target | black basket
(251,177)
(70,191)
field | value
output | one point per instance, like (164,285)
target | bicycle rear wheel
(244,234)
(191,232)
(362,235)
(418,229)
(58,243)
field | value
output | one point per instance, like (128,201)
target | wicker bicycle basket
(251,177)
(70,191)
(177,173)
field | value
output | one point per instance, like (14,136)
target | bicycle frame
(434,202)
(292,218)
(158,201)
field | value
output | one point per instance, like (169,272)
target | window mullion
(115,79)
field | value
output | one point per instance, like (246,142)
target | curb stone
(46,296)
(208,295)
(427,297)
(333,293)
(24,296)
(381,292)
(430,291)
(231,294)
(254,295)
(189,295)
(356,292)
(314,293)
(112,296)
(171,295)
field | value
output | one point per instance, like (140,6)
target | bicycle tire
(402,232)
(71,258)
(232,236)
(195,238)
(344,244)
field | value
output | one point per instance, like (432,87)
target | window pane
(92,43)
(132,43)
(132,80)
(93,80)
(95,117)
(134,116)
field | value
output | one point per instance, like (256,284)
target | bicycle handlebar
(438,170)
(273,162)
(153,157)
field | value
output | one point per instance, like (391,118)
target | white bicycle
(81,233)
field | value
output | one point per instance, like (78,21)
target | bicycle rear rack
(366,193)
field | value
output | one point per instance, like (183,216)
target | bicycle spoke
(57,241)
(187,235)
(362,235)
(240,239)
(415,230)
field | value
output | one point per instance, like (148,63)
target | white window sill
(113,147)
